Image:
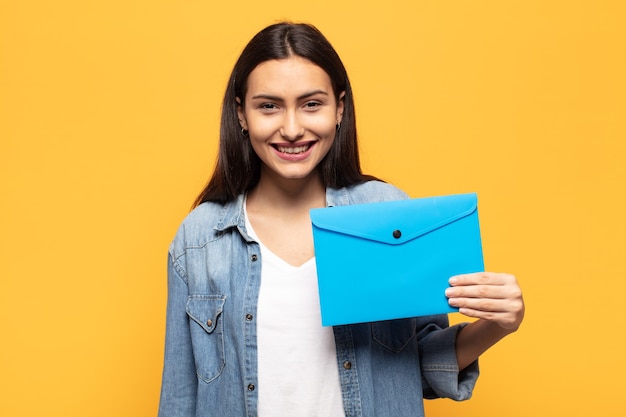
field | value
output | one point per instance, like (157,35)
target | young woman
(244,334)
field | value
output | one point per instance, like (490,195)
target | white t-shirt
(298,370)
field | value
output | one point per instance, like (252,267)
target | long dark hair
(238,168)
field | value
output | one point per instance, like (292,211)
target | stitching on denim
(440,368)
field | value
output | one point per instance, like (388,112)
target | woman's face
(291,113)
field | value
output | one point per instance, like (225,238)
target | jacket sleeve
(179,384)
(441,377)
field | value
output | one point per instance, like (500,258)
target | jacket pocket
(207,334)
(394,335)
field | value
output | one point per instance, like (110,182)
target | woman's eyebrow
(312,93)
(276,98)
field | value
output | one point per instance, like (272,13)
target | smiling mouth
(293,150)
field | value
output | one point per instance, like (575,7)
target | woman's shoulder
(203,224)
(203,214)
(373,191)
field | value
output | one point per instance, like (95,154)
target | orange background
(108,123)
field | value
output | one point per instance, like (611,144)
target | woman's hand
(494,297)
(495,300)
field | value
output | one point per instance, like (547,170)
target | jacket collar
(337,197)
(232,214)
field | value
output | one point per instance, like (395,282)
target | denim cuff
(440,370)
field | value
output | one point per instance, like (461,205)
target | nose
(292,128)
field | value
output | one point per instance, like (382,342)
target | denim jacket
(210,367)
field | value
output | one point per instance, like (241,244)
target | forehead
(291,75)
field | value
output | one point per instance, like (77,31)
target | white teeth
(292,149)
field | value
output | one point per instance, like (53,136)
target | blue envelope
(390,260)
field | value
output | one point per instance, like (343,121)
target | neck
(288,195)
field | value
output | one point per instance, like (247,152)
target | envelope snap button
(397,234)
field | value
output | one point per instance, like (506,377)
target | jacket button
(397,234)
(254,258)
(250,387)
(209,322)
(347,365)
(249,317)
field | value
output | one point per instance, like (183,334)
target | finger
(504,320)
(507,291)
(483,304)
(484,278)
(480,291)
(487,315)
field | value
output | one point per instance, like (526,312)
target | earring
(338,126)
(244,132)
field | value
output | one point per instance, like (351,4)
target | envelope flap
(395,222)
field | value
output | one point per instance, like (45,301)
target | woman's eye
(268,106)
(312,104)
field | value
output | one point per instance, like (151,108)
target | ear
(241,114)
(340,106)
